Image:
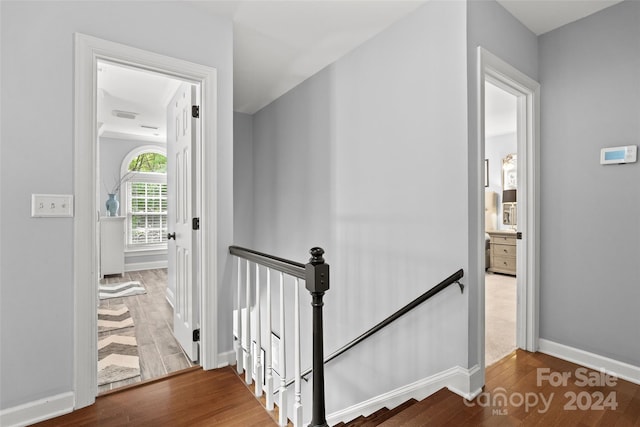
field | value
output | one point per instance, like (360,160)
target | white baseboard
(621,370)
(227,358)
(36,411)
(170,297)
(151,265)
(463,382)
(456,379)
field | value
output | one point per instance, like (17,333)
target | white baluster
(297,406)
(238,342)
(269,378)
(248,366)
(258,354)
(282,360)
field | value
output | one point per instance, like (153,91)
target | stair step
(379,416)
(393,412)
(423,411)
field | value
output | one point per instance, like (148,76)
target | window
(145,180)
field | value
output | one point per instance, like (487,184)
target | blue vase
(112,205)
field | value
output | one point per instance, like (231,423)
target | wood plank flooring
(195,398)
(220,398)
(160,354)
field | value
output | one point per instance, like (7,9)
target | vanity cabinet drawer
(502,264)
(504,250)
(503,240)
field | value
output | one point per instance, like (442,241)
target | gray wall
(590,274)
(361,160)
(488,25)
(37,300)
(243,211)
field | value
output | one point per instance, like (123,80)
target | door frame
(88,50)
(493,69)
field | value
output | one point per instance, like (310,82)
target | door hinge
(195,111)
(196,335)
(519,235)
(195,223)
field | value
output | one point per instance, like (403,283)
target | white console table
(111,245)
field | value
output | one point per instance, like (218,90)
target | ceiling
(132,102)
(542,16)
(279,44)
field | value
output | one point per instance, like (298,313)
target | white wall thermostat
(618,155)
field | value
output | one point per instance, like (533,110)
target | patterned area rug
(117,359)
(117,347)
(125,289)
(114,318)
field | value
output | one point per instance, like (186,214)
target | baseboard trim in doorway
(151,380)
(620,369)
(227,358)
(140,266)
(38,410)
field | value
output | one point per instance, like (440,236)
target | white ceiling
(542,16)
(279,44)
(130,90)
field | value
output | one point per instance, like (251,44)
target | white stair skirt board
(456,379)
(622,370)
(38,410)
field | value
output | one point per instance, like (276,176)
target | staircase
(411,413)
(257,362)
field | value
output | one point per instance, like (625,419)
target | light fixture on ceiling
(125,114)
(149,127)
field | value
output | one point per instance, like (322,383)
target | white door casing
(493,69)
(181,249)
(89,50)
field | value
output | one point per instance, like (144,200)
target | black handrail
(454,278)
(292,268)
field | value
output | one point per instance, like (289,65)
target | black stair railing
(316,276)
(454,278)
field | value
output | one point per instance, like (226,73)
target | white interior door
(181,140)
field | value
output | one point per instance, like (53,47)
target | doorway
(500,195)
(522,205)
(136,339)
(88,51)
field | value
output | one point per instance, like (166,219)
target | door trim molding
(86,263)
(527,90)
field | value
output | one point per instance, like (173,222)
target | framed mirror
(510,172)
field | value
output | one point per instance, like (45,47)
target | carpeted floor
(500,316)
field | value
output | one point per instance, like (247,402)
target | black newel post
(317,282)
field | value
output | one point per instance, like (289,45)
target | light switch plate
(52,205)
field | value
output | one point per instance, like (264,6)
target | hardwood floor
(220,398)
(530,397)
(159,352)
(195,398)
